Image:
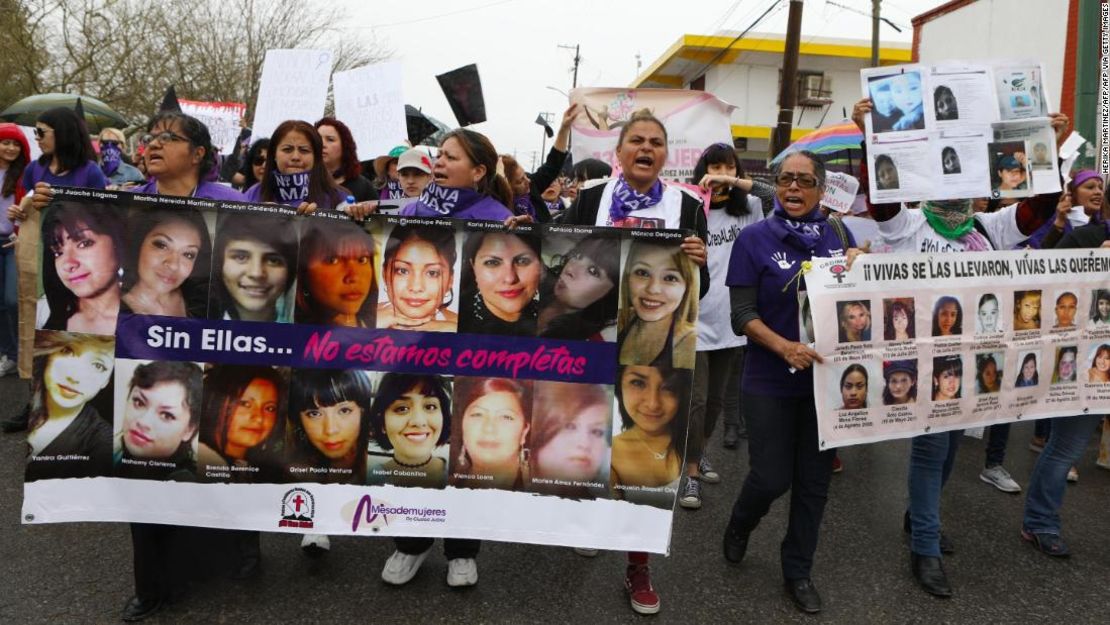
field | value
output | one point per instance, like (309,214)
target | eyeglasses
(805,181)
(40,133)
(259,160)
(166,136)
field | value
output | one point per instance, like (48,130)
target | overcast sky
(515,44)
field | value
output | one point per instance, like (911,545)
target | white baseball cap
(416,159)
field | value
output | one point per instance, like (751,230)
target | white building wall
(1002,29)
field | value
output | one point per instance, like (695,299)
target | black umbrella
(98,115)
(423,127)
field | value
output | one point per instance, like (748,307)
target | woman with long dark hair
(329,426)
(14,155)
(465,182)
(578,295)
(336,284)
(166,272)
(295,173)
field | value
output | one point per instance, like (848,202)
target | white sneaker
(462,572)
(315,545)
(586,552)
(400,568)
(7,366)
(998,477)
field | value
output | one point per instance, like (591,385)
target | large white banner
(294,85)
(369,100)
(221,118)
(917,343)
(694,121)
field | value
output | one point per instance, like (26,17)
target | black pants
(160,556)
(998,435)
(782,447)
(452,547)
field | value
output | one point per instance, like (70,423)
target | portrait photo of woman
(1099,371)
(898,320)
(242,424)
(254,266)
(418,280)
(948,374)
(1100,306)
(950,161)
(489,433)
(84,245)
(988,373)
(411,422)
(167,269)
(67,437)
(578,294)
(570,439)
(1028,375)
(1065,369)
(1027,310)
(853,388)
(647,453)
(886,173)
(157,419)
(900,382)
(948,316)
(501,274)
(854,320)
(987,315)
(336,285)
(658,307)
(329,426)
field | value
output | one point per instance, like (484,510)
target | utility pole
(875,12)
(780,138)
(577,60)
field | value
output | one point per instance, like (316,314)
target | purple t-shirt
(88,176)
(205,191)
(761,259)
(485,208)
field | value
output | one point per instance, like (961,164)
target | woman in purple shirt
(295,173)
(465,183)
(764,276)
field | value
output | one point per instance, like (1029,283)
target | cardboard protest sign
(958,130)
(369,100)
(369,379)
(917,343)
(694,120)
(294,85)
(221,118)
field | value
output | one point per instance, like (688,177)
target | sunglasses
(805,181)
(259,160)
(40,133)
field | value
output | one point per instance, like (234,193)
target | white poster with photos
(918,343)
(958,130)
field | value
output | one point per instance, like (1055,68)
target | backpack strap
(841,232)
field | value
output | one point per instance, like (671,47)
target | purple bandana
(626,199)
(522,205)
(458,203)
(391,191)
(291,187)
(110,158)
(803,234)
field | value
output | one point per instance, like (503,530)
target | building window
(698,84)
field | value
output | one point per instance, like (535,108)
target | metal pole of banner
(780,138)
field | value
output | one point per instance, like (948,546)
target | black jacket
(584,213)
(541,179)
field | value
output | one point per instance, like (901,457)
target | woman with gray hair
(763,277)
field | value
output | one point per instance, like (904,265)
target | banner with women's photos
(236,365)
(959,130)
(918,343)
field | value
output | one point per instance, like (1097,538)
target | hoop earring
(448,297)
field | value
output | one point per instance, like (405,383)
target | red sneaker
(637,580)
(838,466)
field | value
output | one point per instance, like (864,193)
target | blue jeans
(9,304)
(931,458)
(1069,439)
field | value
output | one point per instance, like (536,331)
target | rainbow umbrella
(838,145)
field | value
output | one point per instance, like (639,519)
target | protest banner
(294,85)
(694,119)
(918,343)
(840,191)
(958,130)
(369,100)
(221,118)
(403,376)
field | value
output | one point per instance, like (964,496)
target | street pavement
(81,573)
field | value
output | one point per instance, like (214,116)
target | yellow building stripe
(764,132)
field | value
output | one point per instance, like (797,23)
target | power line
(717,56)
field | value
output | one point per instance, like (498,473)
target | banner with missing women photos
(239,366)
(916,343)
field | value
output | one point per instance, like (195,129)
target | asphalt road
(81,573)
